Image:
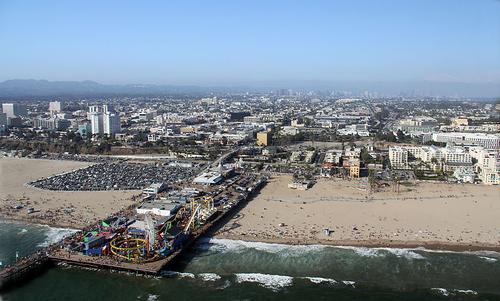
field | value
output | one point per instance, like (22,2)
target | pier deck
(108,262)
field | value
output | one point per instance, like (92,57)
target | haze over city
(384,45)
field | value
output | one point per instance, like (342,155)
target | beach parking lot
(426,214)
(74,209)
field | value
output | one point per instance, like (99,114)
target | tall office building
(108,109)
(104,120)
(111,123)
(14,110)
(3,119)
(96,121)
(95,109)
(55,107)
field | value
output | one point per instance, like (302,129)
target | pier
(24,268)
(56,253)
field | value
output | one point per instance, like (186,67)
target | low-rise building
(52,123)
(208,178)
(158,207)
(488,141)
(154,189)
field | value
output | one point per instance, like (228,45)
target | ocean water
(218,269)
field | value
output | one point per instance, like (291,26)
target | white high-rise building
(398,157)
(55,107)
(107,109)
(111,123)
(14,110)
(104,120)
(95,109)
(96,121)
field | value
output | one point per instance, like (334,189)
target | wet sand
(57,208)
(431,215)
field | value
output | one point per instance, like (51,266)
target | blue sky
(241,42)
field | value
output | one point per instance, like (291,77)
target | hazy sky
(233,42)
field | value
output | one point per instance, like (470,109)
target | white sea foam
(229,245)
(185,275)
(226,245)
(318,280)
(347,282)
(376,252)
(476,253)
(467,292)
(442,291)
(153,297)
(362,251)
(23,231)
(54,235)
(209,276)
(489,259)
(174,274)
(448,292)
(273,282)
(406,253)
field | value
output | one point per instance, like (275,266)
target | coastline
(372,244)
(426,215)
(430,245)
(42,221)
(437,216)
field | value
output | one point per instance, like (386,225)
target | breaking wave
(406,253)
(153,297)
(318,280)
(174,274)
(53,235)
(347,282)
(467,292)
(441,291)
(489,259)
(209,276)
(377,252)
(273,282)
(229,245)
(448,292)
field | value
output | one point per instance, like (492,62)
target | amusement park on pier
(145,237)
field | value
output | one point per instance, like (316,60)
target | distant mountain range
(31,87)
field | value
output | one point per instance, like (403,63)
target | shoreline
(40,221)
(431,245)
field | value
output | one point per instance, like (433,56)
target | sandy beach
(431,215)
(57,208)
